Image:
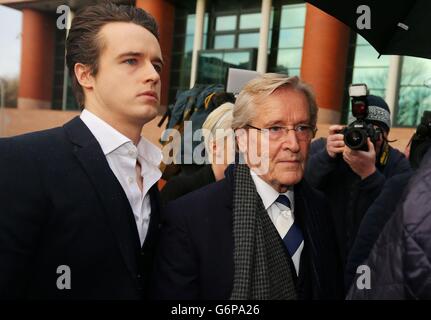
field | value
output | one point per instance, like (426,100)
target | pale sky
(10,41)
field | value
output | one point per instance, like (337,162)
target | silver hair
(256,90)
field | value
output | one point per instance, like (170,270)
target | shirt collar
(267,193)
(149,152)
(109,138)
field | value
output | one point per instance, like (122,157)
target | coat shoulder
(33,140)
(200,203)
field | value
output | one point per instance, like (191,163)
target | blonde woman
(219,146)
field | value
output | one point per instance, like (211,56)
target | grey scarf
(262,267)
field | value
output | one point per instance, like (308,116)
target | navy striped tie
(292,235)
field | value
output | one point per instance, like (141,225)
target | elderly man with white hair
(261,232)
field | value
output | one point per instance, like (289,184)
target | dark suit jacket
(60,204)
(182,184)
(195,257)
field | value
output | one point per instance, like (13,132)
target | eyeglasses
(303,132)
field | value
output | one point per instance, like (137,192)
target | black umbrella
(400,27)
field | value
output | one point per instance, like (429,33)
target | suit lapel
(112,197)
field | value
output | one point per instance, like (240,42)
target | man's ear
(83,75)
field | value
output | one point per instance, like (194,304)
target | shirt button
(130,179)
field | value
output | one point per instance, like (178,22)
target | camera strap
(384,154)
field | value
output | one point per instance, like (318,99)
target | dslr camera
(357,132)
(421,140)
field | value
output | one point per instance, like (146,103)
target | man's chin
(145,114)
(290,179)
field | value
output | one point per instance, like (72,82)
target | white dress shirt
(122,156)
(268,195)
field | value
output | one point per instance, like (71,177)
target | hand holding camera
(361,162)
(335,141)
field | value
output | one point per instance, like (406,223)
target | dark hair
(84,45)
(221,97)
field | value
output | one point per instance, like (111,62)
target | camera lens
(355,139)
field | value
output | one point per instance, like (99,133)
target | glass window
(250,21)
(213,66)
(237,58)
(369,68)
(289,58)
(189,43)
(225,23)
(415,71)
(215,56)
(191,20)
(291,38)
(291,35)
(367,56)
(248,40)
(224,41)
(294,72)
(415,91)
(285,70)
(189,40)
(375,78)
(206,23)
(182,51)
(190,29)
(293,16)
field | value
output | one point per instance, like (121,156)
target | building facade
(201,39)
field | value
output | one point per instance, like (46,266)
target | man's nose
(150,73)
(290,141)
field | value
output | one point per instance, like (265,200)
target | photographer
(353,179)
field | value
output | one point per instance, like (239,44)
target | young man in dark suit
(262,232)
(79,203)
